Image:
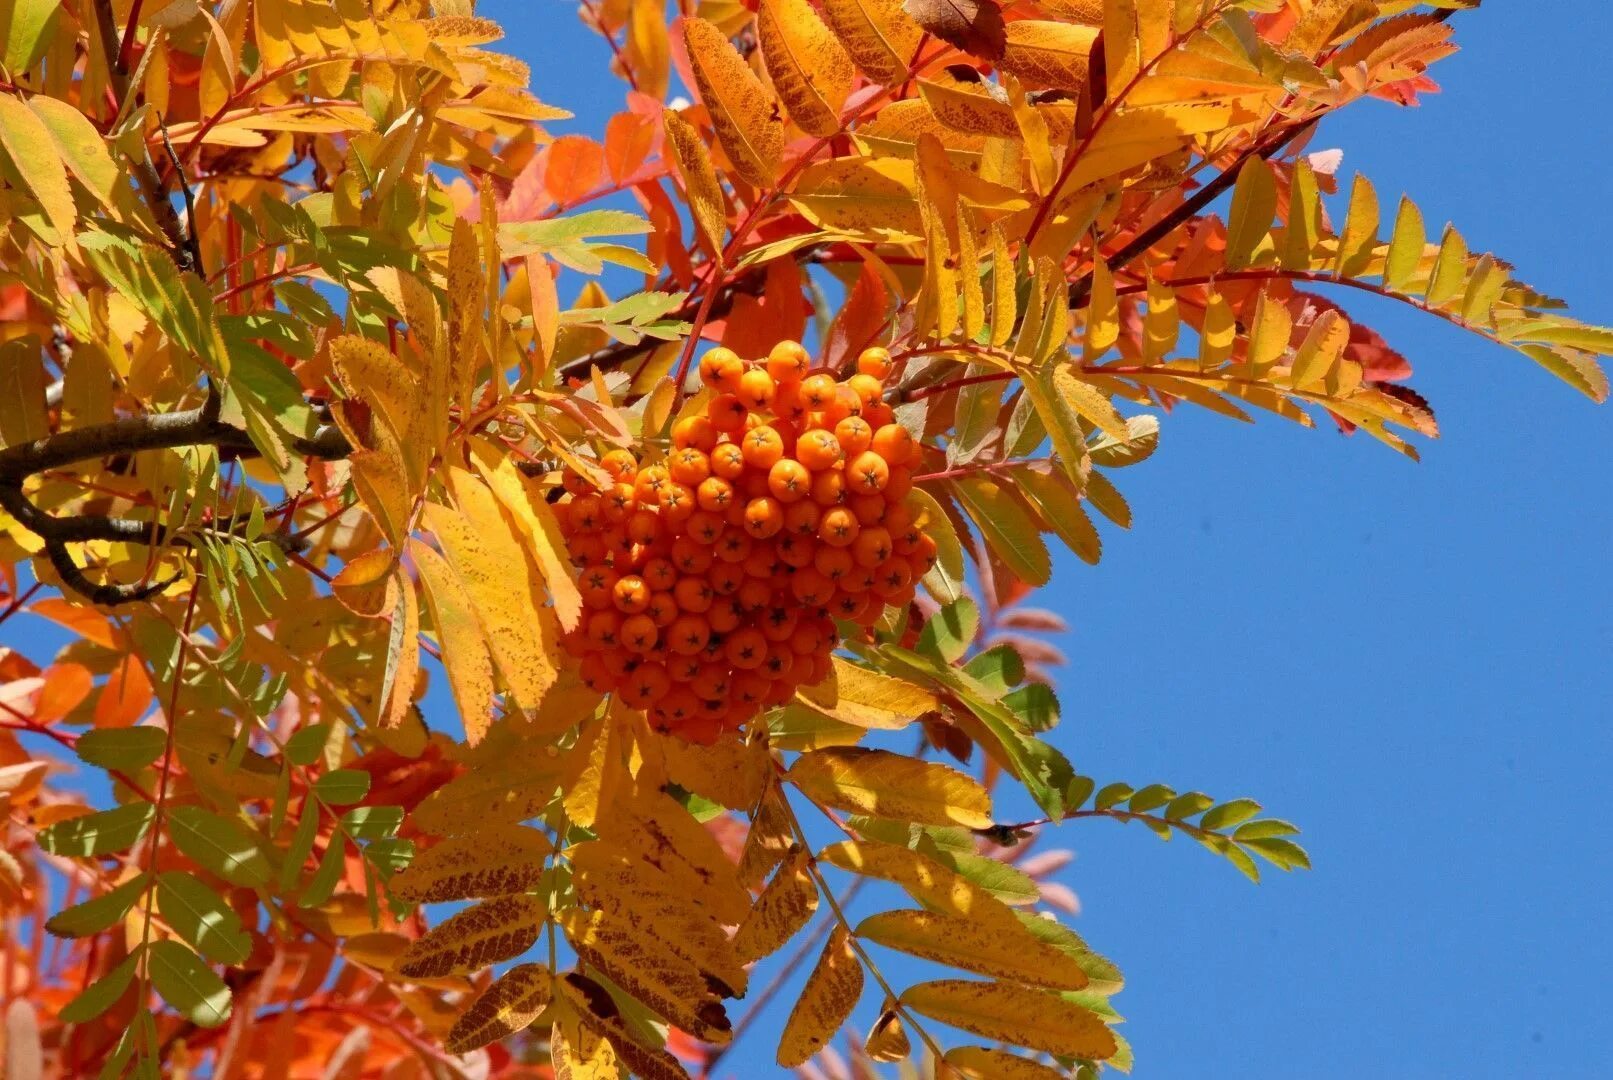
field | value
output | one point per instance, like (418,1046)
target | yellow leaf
(503,586)
(600,1015)
(809,68)
(648,966)
(82,148)
(1007,528)
(868,699)
(769,840)
(595,771)
(519,783)
(881,38)
(1048,55)
(1450,269)
(1103,313)
(494,860)
(1268,342)
(1359,239)
(972,107)
(28,145)
(1219,334)
(729,772)
(984,1063)
(656,828)
(403,655)
(868,197)
(1304,218)
(539,530)
(1137,136)
(464,652)
(699,181)
(927,881)
(1004,283)
(1017,1015)
(1090,402)
(369,372)
(786,905)
(1162,324)
(584,1056)
(1059,503)
(831,992)
(508,1006)
(974,296)
(1321,350)
(745,116)
(484,934)
(890,785)
(1406,247)
(974,946)
(648,51)
(1254,204)
(887,1039)
(465,310)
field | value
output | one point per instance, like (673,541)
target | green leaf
(1036,706)
(101,994)
(302,842)
(395,853)
(342,787)
(1229,814)
(202,917)
(221,845)
(1282,853)
(372,822)
(1112,795)
(27,27)
(1151,797)
(190,986)
(99,913)
(1104,977)
(1059,502)
(325,879)
(123,749)
(998,668)
(1187,805)
(1006,526)
(949,632)
(305,747)
(975,414)
(99,834)
(1262,830)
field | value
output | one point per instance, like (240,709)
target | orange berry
(878,414)
(694,432)
(649,482)
(859,580)
(621,464)
(838,527)
(639,633)
(728,461)
(751,687)
(849,606)
(854,435)
(662,608)
(688,634)
(762,562)
(704,527)
(693,594)
(808,637)
(714,681)
(800,669)
(762,447)
(680,705)
(811,587)
(870,509)
(801,518)
(619,502)
(594,674)
(659,574)
(867,388)
(794,550)
(647,684)
(596,585)
(872,547)
(676,501)
(829,488)
(745,648)
(833,563)
(868,473)
(818,450)
(764,517)
(775,667)
(778,623)
(894,443)
(690,556)
(727,414)
(874,362)
(714,494)
(733,546)
(603,627)
(576,483)
(586,550)
(690,466)
(900,484)
(720,368)
(923,556)
(586,513)
(643,526)
(817,390)
(724,617)
(725,578)
(756,389)
(788,480)
(787,403)
(630,594)
(788,362)
(892,576)
(754,595)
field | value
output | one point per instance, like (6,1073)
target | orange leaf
(126,696)
(629,138)
(745,116)
(810,69)
(66,685)
(575,167)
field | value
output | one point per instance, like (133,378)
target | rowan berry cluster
(713,578)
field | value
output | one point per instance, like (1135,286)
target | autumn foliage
(484,602)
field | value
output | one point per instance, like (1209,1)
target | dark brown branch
(192,427)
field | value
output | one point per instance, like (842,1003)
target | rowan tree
(314,395)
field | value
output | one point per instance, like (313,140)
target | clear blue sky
(1410,661)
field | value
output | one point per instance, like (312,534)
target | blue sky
(1407,660)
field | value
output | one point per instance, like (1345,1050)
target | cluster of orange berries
(712,580)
